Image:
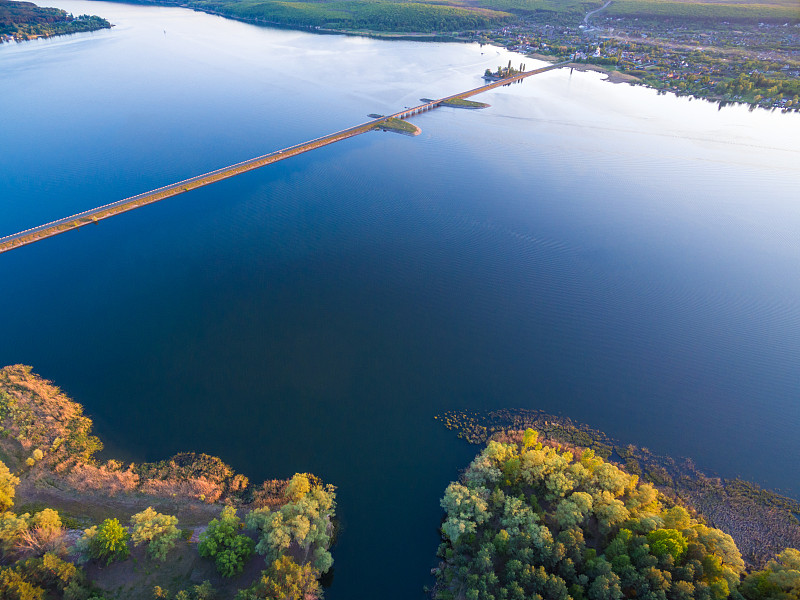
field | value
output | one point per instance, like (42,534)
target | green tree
(222,542)
(304,521)
(109,542)
(780,580)
(530,437)
(668,541)
(159,531)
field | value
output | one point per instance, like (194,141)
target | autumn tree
(8,487)
(158,531)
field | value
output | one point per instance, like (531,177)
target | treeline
(760,88)
(359,15)
(776,11)
(761,522)
(532,521)
(39,560)
(25,20)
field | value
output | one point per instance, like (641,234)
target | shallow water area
(596,250)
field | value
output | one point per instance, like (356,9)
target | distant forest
(460,16)
(25,21)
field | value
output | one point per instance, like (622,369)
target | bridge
(94,215)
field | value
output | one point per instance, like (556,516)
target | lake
(624,258)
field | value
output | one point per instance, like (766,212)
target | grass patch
(728,10)
(399,126)
(462,103)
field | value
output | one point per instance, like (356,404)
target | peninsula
(761,522)
(22,21)
(535,518)
(73,526)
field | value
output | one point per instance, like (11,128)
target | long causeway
(94,215)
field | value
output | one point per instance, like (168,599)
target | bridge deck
(93,215)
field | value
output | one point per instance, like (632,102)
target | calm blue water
(626,259)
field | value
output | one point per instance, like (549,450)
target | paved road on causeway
(94,215)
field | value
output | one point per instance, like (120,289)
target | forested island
(26,21)
(532,520)
(187,528)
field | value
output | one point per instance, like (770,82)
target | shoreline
(762,522)
(47,446)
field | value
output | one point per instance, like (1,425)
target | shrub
(44,533)
(204,591)
(12,528)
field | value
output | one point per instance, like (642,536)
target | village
(756,64)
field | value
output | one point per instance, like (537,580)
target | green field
(729,10)
(540,7)
(461,103)
(399,126)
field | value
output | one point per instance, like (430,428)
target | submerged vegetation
(533,519)
(26,21)
(64,529)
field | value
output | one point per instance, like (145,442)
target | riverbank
(23,21)
(762,522)
(48,445)
(612,75)
(739,63)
